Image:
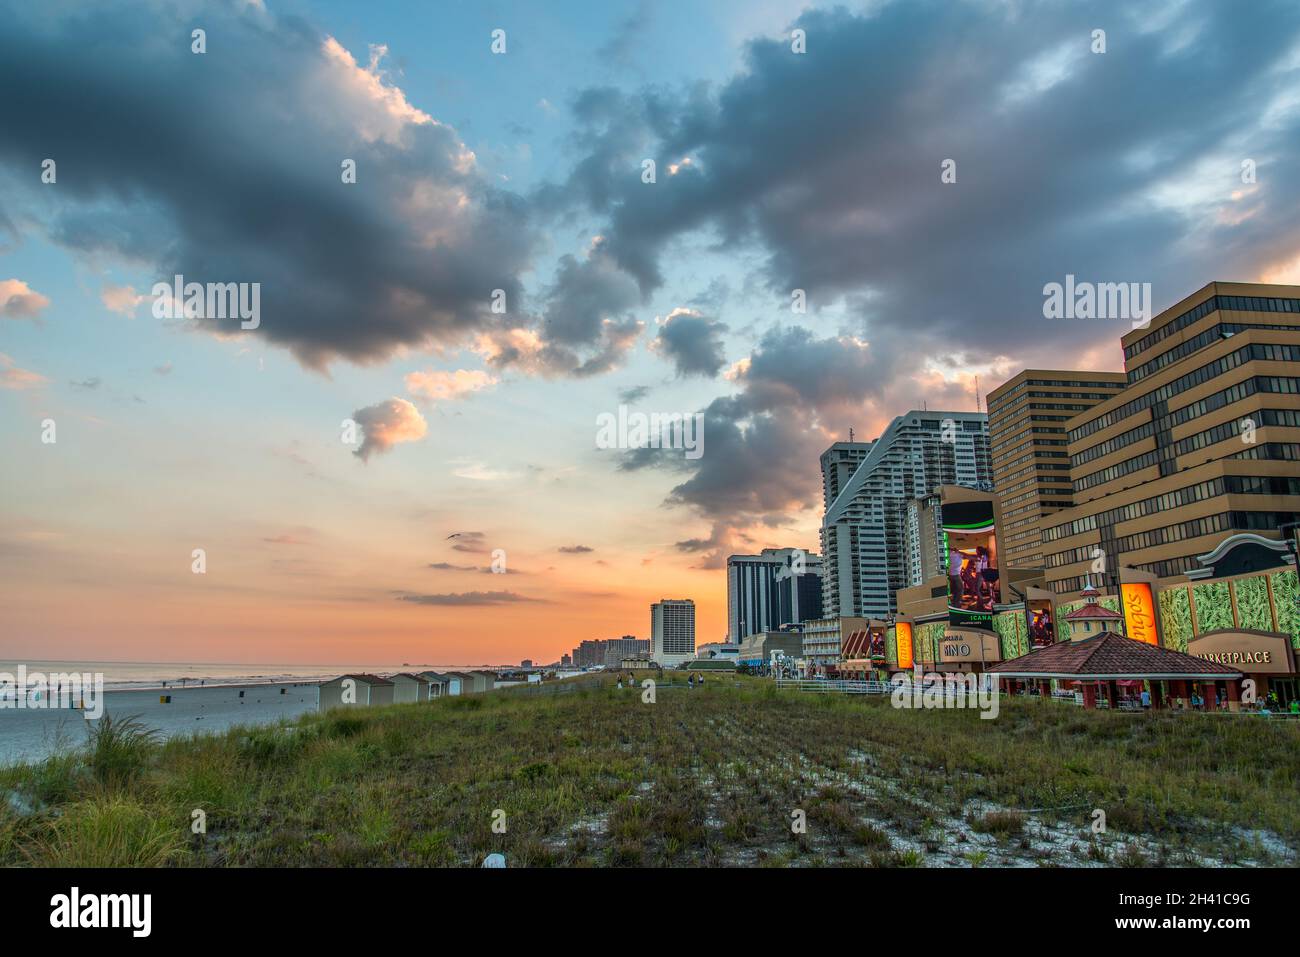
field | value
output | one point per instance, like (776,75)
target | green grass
(595,777)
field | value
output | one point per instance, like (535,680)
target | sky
(854,212)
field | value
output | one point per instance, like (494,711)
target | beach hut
(452,683)
(469,681)
(438,684)
(351,691)
(408,687)
(489,680)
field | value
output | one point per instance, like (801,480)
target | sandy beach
(30,735)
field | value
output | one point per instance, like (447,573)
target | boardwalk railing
(832,687)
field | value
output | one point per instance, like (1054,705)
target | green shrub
(106,831)
(118,749)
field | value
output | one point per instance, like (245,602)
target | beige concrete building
(1029,450)
(1201,445)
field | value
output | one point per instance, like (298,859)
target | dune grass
(715,776)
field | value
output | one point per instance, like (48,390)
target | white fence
(833,687)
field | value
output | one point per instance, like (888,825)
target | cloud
(387,424)
(692,342)
(797,393)
(575,549)
(480,472)
(88,385)
(470,598)
(634,394)
(586,326)
(437,385)
(121,299)
(1067,162)
(449,567)
(468,542)
(406,257)
(16,379)
(285,540)
(20,301)
(164,369)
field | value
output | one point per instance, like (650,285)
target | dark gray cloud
(226,167)
(797,393)
(634,394)
(1115,166)
(586,326)
(620,49)
(468,542)
(692,343)
(575,549)
(470,598)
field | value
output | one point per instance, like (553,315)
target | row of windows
(1050,383)
(1262,417)
(1147,506)
(1271,451)
(1261,485)
(1220,331)
(1241,521)
(1229,484)
(1195,528)
(1191,443)
(1210,403)
(1256,351)
(1200,311)
(1118,470)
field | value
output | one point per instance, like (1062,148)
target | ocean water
(212,698)
(138,675)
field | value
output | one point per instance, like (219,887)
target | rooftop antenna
(977,393)
(850,434)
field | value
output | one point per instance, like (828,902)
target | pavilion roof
(1109,656)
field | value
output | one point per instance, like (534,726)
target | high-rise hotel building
(1028,446)
(839,462)
(779,586)
(1202,443)
(672,631)
(864,555)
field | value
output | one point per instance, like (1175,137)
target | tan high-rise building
(1203,443)
(1028,446)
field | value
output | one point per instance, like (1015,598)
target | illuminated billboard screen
(970,544)
(876,643)
(1042,630)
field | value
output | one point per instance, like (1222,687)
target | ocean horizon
(143,675)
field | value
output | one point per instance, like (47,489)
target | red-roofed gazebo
(1100,662)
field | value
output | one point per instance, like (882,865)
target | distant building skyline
(776,587)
